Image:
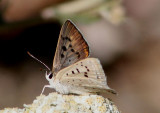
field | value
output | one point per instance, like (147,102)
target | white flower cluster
(58,103)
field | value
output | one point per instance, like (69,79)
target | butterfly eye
(50,76)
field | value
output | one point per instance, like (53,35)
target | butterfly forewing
(86,74)
(71,47)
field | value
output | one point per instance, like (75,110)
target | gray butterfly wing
(71,47)
(86,75)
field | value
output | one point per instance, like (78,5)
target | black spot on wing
(73,72)
(77,70)
(66,38)
(62,55)
(70,45)
(85,74)
(81,64)
(64,48)
(87,68)
(78,55)
(72,50)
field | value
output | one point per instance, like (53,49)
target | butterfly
(73,71)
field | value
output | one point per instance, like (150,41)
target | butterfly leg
(45,87)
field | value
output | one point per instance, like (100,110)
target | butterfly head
(49,75)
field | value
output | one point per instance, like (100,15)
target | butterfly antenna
(38,60)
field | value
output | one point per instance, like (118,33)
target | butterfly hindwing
(86,74)
(71,47)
